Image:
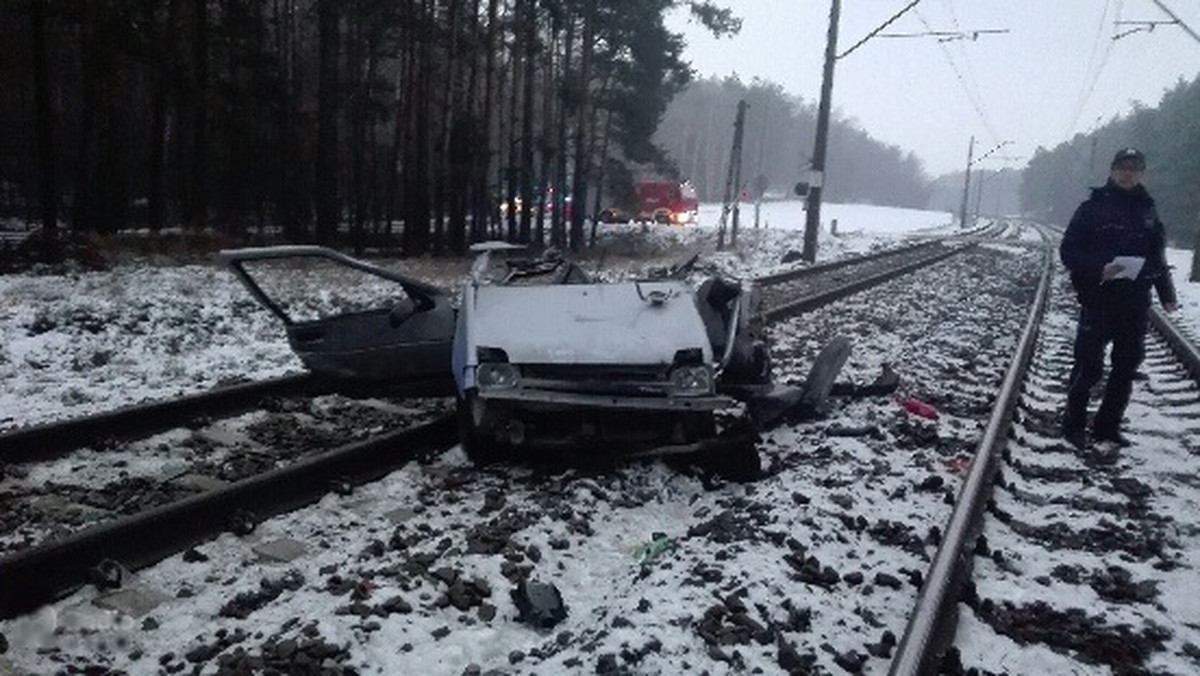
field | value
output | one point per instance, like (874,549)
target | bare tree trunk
(418,211)
(455,125)
(579,191)
(289,201)
(198,216)
(558,230)
(327,132)
(158,150)
(357,122)
(47,169)
(513,177)
(605,136)
(546,140)
(487,194)
(476,135)
(530,54)
(396,174)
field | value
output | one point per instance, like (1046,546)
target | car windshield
(309,288)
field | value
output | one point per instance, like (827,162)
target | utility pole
(979,193)
(962,213)
(760,179)
(812,221)
(733,179)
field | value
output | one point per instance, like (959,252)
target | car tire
(733,460)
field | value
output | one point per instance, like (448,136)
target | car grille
(596,378)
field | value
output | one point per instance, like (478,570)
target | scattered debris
(540,604)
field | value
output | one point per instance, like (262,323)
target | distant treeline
(333,120)
(993,192)
(1056,180)
(697,133)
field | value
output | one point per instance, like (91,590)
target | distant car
(543,357)
(613,215)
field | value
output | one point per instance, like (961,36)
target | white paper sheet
(1130,266)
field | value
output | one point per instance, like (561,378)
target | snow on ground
(1188,317)
(84,342)
(90,341)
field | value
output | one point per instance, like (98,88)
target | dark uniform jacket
(1116,222)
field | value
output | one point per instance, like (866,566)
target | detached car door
(349,320)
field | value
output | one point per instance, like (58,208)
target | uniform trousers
(1116,315)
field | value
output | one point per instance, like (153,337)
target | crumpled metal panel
(625,323)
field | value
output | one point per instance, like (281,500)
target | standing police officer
(1114,297)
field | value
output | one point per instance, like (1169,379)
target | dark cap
(1130,155)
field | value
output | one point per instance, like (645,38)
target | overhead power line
(1173,15)
(972,93)
(1089,87)
(1140,26)
(948,36)
(989,153)
(882,26)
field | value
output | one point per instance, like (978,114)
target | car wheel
(733,459)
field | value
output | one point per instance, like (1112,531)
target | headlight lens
(691,380)
(497,376)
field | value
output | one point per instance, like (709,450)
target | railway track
(794,291)
(61,517)
(1079,561)
(804,567)
(822,546)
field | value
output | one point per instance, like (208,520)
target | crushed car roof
(630,323)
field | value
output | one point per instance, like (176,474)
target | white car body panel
(628,323)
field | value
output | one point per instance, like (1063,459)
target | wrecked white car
(583,366)
(543,357)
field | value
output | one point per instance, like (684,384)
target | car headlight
(691,380)
(497,376)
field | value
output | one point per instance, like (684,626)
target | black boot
(1075,436)
(1111,436)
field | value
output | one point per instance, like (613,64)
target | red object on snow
(959,465)
(918,407)
(669,202)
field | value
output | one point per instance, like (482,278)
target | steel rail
(930,628)
(51,439)
(41,442)
(791,275)
(39,575)
(1180,345)
(813,301)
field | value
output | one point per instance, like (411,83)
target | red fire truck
(670,202)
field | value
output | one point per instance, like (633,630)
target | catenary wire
(1095,77)
(972,96)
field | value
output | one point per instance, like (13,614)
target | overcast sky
(1056,72)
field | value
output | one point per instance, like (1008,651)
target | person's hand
(1170,307)
(1111,270)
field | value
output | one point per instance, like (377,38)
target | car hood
(625,323)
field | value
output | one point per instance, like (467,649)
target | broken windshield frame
(422,293)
